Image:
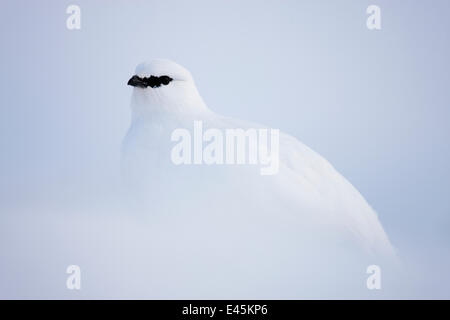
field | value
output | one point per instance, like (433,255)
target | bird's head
(163,86)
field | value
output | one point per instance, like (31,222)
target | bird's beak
(135,81)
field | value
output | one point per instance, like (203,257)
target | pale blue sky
(374,103)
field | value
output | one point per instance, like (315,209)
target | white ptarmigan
(305,215)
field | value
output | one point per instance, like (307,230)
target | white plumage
(305,216)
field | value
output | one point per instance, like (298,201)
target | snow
(198,231)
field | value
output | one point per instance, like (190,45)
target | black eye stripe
(156,82)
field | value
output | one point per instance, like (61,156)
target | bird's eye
(165,80)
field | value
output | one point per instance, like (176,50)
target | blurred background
(373,103)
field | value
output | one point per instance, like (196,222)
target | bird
(305,219)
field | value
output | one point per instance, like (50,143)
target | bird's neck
(147,108)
